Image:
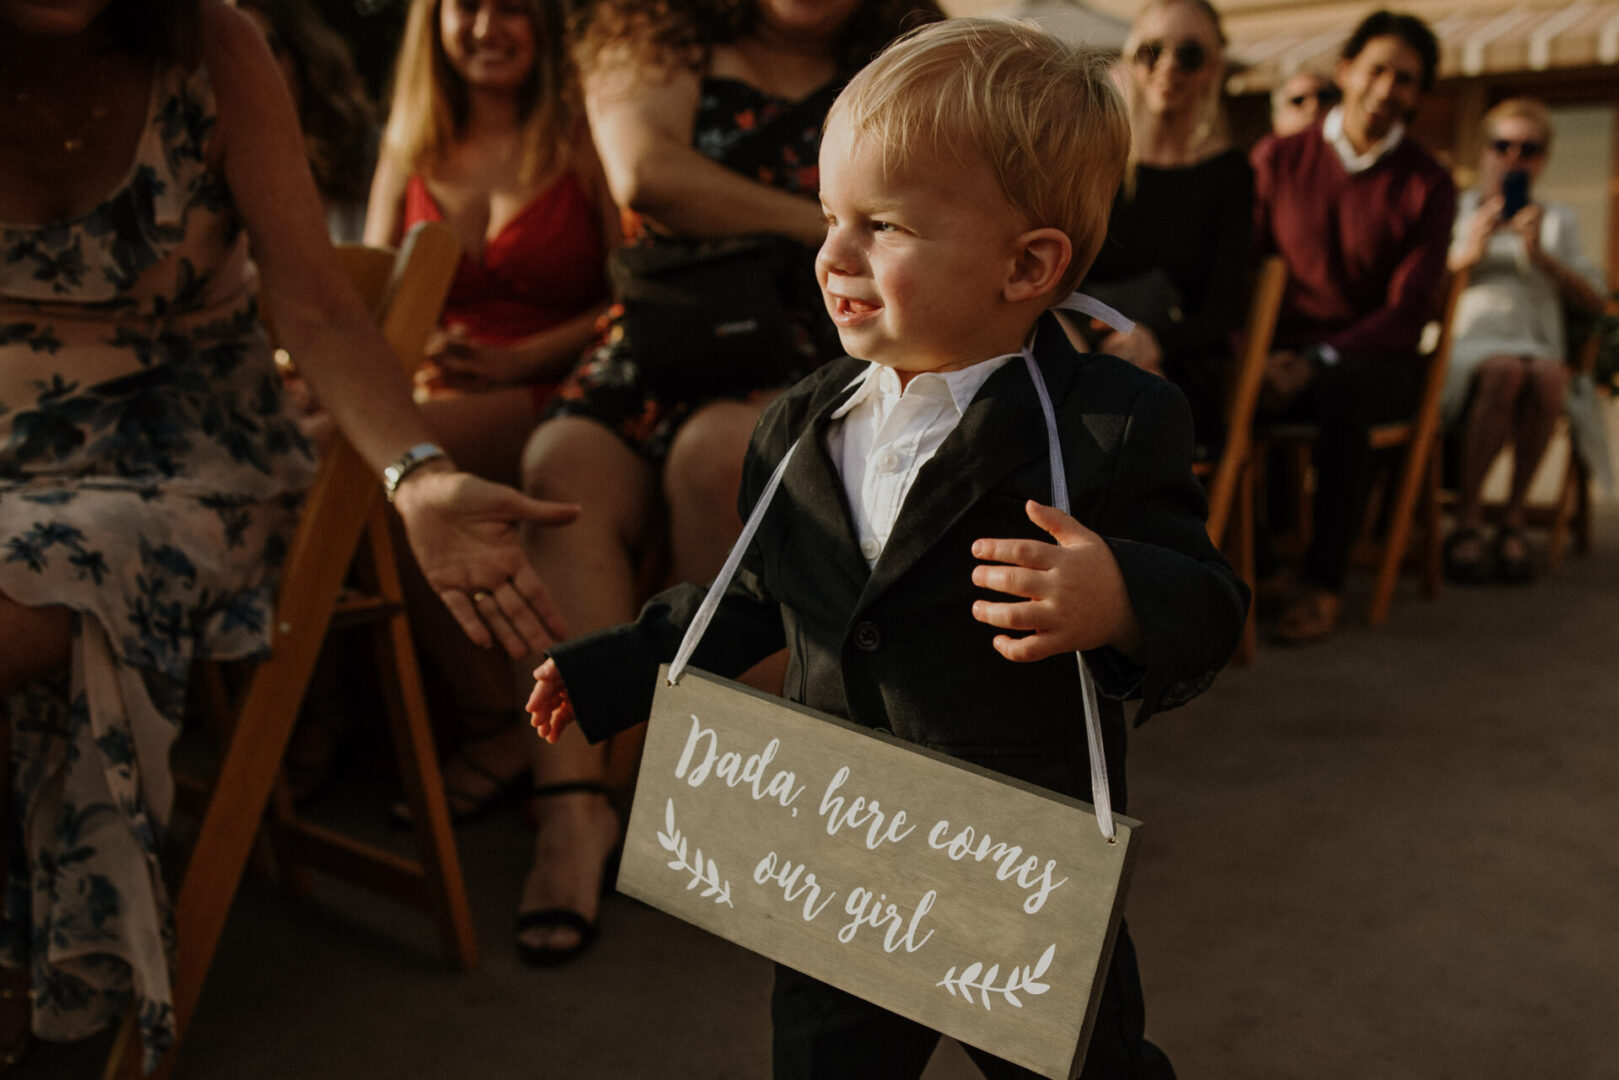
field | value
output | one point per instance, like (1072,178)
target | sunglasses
(1527,151)
(1190,56)
(1325,98)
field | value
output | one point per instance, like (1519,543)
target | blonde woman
(1508,369)
(485,133)
(1177,246)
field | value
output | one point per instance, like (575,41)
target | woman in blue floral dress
(150,475)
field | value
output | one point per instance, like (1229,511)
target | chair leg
(1246,540)
(1413,475)
(1433,555)
(412,732)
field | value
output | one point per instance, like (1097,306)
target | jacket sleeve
(1190,604)
(610,675)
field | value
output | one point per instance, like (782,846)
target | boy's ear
(1039,262)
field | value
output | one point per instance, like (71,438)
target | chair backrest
(406,290)
(1245,379)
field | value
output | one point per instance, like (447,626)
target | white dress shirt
(881,437)
(1332,129)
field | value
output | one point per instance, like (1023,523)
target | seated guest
(1178,238)
(1299,100)
(150,473)
(708,119)
(484,133)
(1362,216)
(1508,363)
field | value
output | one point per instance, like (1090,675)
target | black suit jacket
(896,647)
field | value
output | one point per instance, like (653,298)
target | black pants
(822,1033)
(1345,401)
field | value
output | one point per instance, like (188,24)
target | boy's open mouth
(850,309)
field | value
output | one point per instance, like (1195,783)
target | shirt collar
(962,385)
(1332,129)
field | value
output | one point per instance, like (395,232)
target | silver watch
(414,458)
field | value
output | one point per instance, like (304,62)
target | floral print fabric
(149,482)
(770,139)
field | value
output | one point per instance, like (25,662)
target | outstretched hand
(548,706)
(465,535)
(1074,594)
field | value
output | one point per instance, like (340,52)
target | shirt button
(870,549)
(887,461)
(867,637)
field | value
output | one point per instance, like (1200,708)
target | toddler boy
(911,565)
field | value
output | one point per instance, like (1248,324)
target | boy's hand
(1076,598)
(548,705)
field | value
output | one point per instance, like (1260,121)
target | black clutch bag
(706,317)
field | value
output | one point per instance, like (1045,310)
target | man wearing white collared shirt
(1362,216)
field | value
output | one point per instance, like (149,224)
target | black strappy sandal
(560,918)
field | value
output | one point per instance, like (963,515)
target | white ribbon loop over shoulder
(1090,305)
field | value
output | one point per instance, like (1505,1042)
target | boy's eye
(883,226)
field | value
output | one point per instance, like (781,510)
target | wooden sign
(977,905)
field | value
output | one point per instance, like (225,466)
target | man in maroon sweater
(1363,217)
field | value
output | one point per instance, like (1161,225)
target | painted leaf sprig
(704,871)
(975,977)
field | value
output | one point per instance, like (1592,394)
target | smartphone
(1514,193)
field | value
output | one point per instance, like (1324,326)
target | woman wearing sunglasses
(1177,245)
(1508,372)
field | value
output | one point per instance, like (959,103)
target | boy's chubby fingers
(548,705)
(1064,529)
(1034,554)
(1021,615)
(1029,648)
(1012,580)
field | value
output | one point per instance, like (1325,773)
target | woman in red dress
(485,133)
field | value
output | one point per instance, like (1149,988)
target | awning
(1271,42)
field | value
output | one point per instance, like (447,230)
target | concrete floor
(1389,856)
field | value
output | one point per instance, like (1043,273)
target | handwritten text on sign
(974,904)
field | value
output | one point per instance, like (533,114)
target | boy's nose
(835,256)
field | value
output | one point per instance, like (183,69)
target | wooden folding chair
(1418,478)
(344,523)
(1230,478)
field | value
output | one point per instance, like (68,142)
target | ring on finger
(482,594)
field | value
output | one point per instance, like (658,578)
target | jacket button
(867,637)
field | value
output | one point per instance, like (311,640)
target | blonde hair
(1210,132)
(428,109)
(1521,108)
(1043,115)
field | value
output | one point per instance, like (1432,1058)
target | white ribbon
(1090,305)
(1101,796)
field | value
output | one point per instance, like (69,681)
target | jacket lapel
(1001,431)
(812,486)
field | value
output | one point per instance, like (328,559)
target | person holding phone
(1508,368)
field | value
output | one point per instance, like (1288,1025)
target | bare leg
(484,432)
(495,747)
(1489,423)
(1540,405)
(591,568)
(700,482)
(37,642)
